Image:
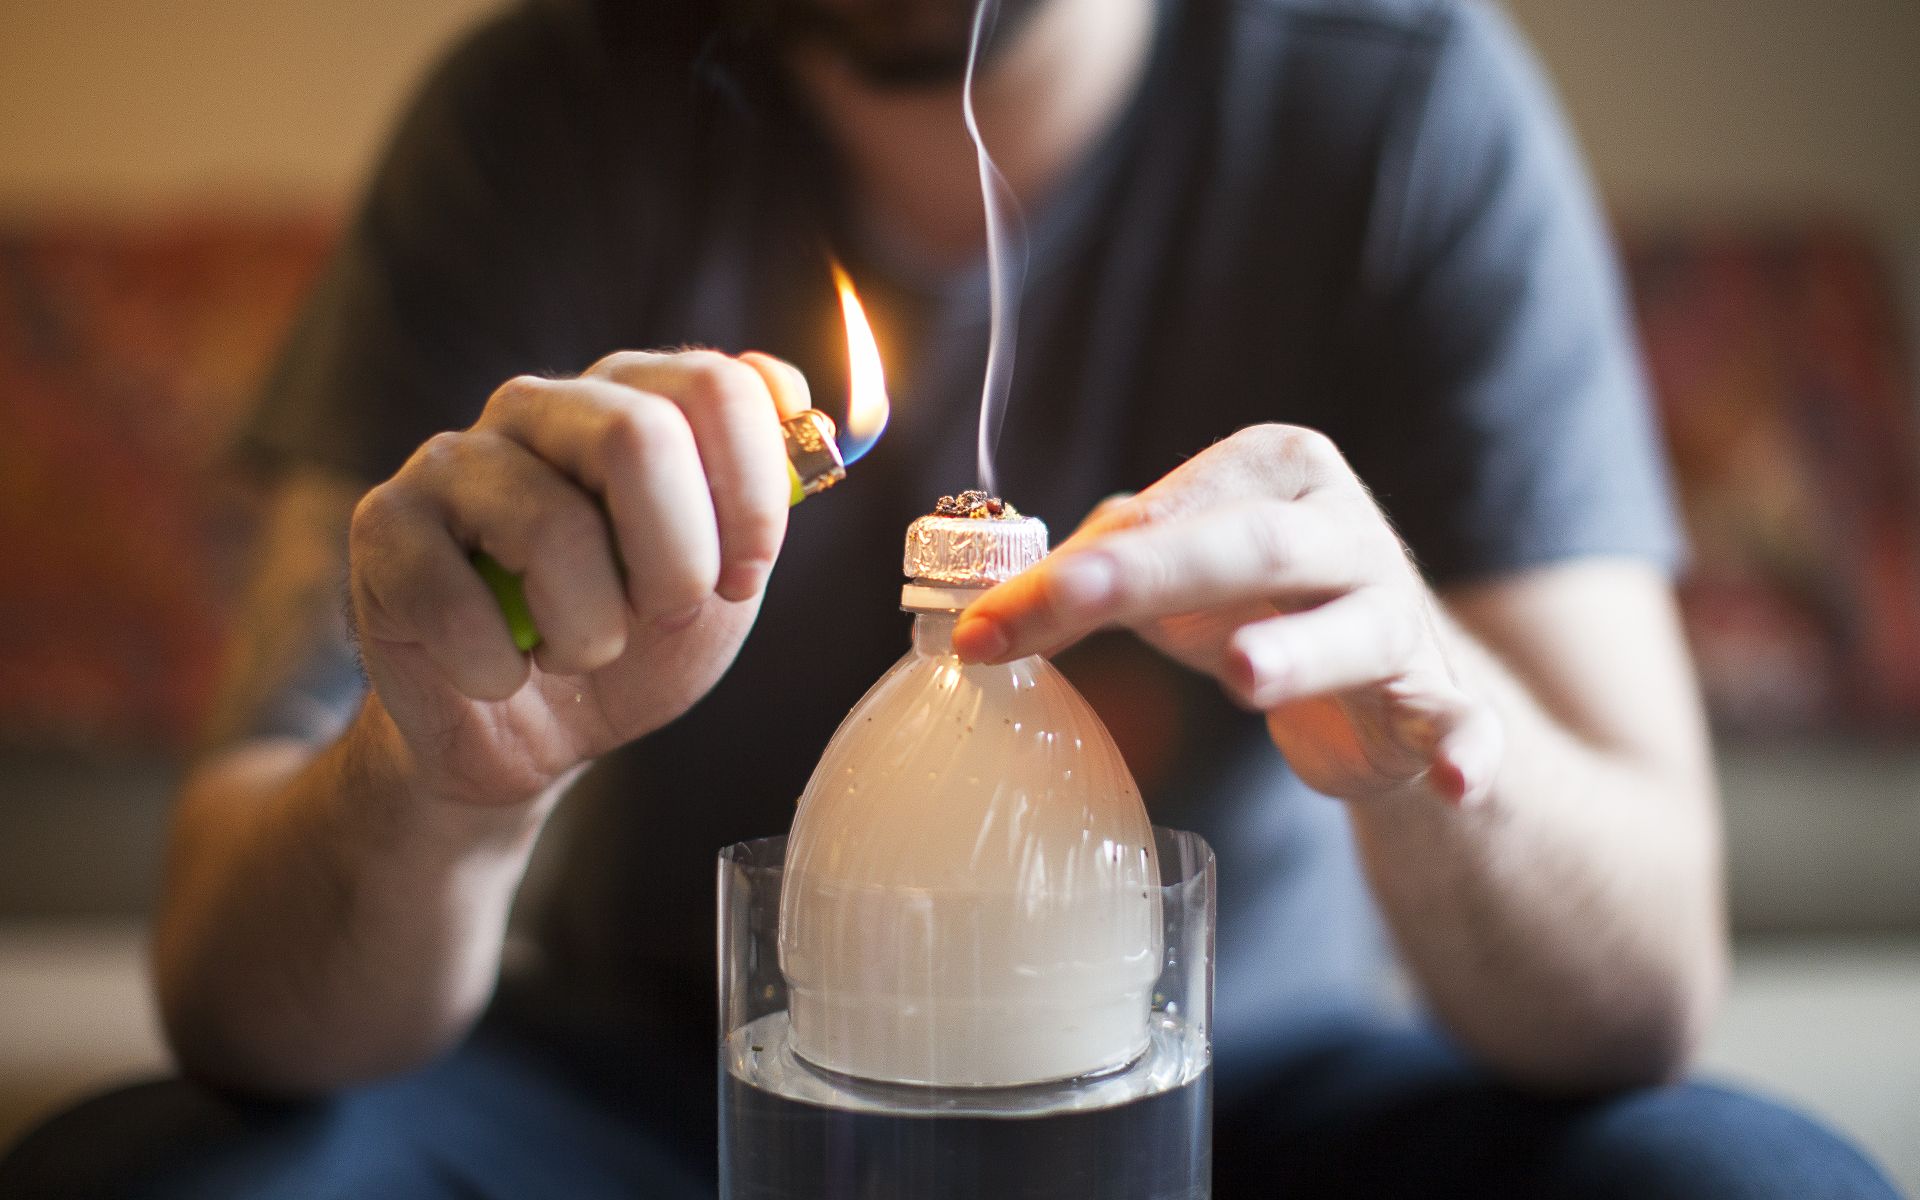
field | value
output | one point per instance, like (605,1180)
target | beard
(888,43)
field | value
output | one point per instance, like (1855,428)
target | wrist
(385,790)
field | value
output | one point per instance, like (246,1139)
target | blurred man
(1317,285)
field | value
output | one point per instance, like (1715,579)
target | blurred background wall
(1749,106)
(1754,108)
(1762,158)
(122,105)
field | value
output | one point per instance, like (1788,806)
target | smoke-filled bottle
(989,987)
(971,894)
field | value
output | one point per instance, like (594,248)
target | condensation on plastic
(972,891)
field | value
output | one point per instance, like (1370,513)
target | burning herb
(977,505)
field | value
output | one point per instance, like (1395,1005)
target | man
(1308,278)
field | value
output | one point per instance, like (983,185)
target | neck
(933,632)
(1043,102)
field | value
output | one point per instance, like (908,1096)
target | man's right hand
(642,503)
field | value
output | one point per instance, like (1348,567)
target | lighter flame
(867,407)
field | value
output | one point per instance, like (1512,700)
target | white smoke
(1006,262)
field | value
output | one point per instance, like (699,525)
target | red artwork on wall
(1790,410)
(130,352)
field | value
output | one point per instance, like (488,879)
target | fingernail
(979,639)
(1261,666)
(1082,582)
(1461,783)
(1450,781)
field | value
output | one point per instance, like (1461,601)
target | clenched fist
(643,504)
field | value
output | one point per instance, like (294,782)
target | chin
(902,43)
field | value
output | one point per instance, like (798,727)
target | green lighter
(814,464)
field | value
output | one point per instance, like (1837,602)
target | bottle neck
(933,632)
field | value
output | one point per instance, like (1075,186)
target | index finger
(788,384)
(730,406)
(1268,550)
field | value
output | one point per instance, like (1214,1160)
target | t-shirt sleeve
(1514,427)
(462,267)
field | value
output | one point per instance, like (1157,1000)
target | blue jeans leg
(497,1118)
(1347,1111)
(1361,1112)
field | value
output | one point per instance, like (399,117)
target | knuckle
(373,517)
(1296,442)
(518,392)
(1312,446)
(565,531)
(437,620)
(635,432)
(1115,510)
(688,586)
(795,378)
(717,381)
(622,440)
(1141,570)
(620,362)
(1290,459)
(1148,509)
(1269,537)
(394,593)
(1267,440)
(440,451)
(757,532)
(456,626)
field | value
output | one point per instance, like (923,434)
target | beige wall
(1750,106)
(1756,106)
(123,103)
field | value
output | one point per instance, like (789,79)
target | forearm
(1569,929)
(322,923)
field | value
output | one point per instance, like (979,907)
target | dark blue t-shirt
(1360,215)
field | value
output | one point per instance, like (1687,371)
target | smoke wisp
(1006,262)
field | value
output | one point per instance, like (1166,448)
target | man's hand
(643,503)
(1264,562)
(334,910)
(1565,922)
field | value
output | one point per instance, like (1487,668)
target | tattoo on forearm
(293,669)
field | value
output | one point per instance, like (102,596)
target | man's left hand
(1264,562)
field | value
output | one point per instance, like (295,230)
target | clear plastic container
(790,1130)
(974,968)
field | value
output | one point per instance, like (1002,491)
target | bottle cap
(972,540)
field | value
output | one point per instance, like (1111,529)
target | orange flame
(867,407)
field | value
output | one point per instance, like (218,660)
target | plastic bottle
(971,896)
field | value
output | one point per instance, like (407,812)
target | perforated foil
(972,551)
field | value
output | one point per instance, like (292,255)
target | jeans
(529,1108)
